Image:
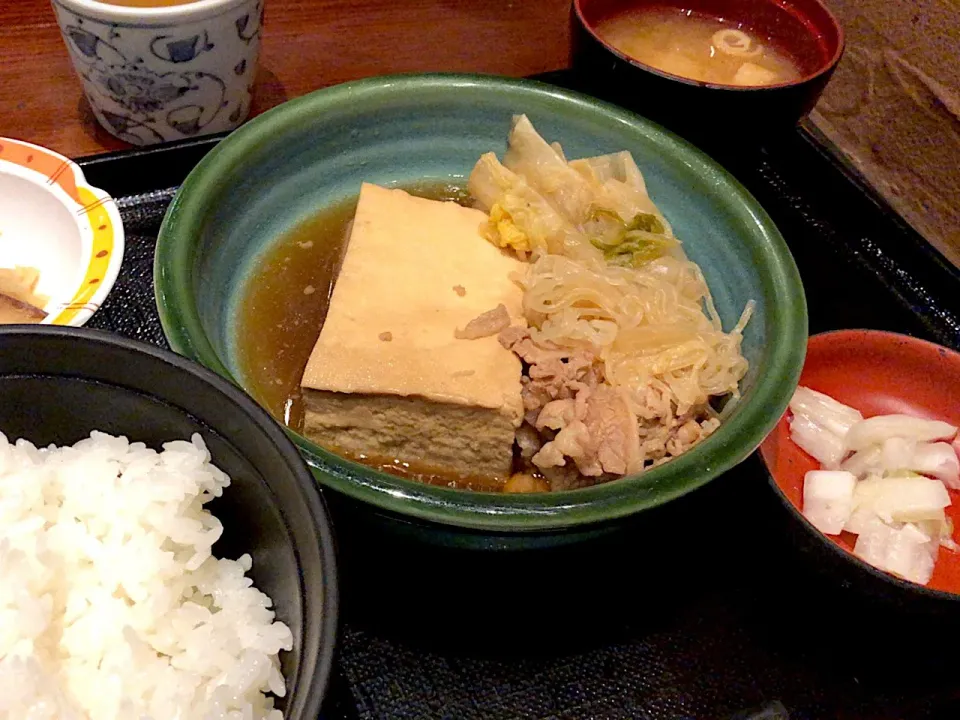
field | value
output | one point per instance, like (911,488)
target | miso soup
(699,47)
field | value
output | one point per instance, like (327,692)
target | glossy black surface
(705,608)
(59,384)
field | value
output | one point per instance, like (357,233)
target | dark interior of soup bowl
(805,30)
(315,151)
(57,385)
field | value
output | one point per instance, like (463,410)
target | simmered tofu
(388,378)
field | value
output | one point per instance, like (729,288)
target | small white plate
(52,220)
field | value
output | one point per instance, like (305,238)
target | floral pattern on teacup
(90,47)
(247,31)
(182,49)
(148,83)
(139,89)
(142,91)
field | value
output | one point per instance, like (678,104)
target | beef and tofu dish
(539,330)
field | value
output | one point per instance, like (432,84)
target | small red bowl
(804,29)
(877,373)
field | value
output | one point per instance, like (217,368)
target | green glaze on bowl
(286,164)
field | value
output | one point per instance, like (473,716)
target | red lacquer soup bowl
(877,373)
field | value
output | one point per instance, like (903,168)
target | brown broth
(283,308)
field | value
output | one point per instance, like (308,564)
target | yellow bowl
(52,220)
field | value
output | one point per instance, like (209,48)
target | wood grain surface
(892,109)
(307,44)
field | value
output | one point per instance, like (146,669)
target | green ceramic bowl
(313,151)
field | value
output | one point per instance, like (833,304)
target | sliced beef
(489,323)
(579,430)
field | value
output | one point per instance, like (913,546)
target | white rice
(111,604)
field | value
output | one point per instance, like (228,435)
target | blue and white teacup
(164,73)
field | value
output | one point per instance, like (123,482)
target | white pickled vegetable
(828,499)
(860,518)
(875,430)
(872,542)
(824,411)
(884,479)
(938,460)
(941,530)
(863,462)
(905,551)
(826,447)
(864,499)
(902,498)
(912,554)
(896,453)
(946,536)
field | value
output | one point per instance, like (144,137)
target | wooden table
(307,44)
(892,108)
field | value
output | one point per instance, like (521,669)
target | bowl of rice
(164,551)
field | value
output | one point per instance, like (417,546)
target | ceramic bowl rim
(498,512)
(105,233)
(318,682)
(825,68)
(823,540)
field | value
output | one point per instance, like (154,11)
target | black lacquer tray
(700,609)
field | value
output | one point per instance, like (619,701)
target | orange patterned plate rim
(98,222)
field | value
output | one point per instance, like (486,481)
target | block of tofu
(388,380)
